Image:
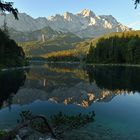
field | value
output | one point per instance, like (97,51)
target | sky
(122,10)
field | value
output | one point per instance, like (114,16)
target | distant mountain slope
(81,49)
(56,42)
(46,33)
(119,48)
(86,43)
(84,24)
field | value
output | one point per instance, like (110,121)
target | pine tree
(8,6)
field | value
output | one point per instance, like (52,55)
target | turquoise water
(112,92)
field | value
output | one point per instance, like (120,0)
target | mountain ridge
(84,24)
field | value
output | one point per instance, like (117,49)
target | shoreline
(64,62)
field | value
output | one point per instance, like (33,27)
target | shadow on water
(115,78)
(10,82)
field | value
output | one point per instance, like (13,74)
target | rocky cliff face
(84,24)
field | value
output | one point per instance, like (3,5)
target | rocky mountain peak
(68,16)
(84,24)
(87,13)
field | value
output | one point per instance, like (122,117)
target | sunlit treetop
(8,6)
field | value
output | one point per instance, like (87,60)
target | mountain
(46,33)
(44,41)
(84,24)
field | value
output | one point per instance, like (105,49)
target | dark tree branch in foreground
(136,3)
(8,6)
(10,135)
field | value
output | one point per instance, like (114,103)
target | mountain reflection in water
(49,88)
(69,84)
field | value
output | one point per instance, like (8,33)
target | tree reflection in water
(115,77)
(10,82)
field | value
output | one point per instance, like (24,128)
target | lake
(112,92)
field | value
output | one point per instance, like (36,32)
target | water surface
(113,92)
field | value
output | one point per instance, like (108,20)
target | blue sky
(122,10)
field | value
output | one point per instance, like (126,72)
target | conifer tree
(8,6)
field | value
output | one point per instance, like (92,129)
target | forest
(124,49)
(11,55)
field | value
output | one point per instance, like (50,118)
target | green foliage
(3,133)
(136,3)
(24,115)
(116,49)
(72,121)
(37,124)
(11,54)
(60,120)
(8,7)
